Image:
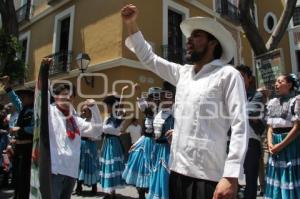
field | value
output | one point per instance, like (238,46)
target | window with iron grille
(24,49)
(296,16)
(24,40)
(62,41)
(228,9)
(175,53)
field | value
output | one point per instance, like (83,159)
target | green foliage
(10,64)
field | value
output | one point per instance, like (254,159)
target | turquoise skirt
(89,163)
(111,164)
(137,170)
(283,171)
(160,172)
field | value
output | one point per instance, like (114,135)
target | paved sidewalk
(126,193)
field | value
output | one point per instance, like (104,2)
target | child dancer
(163,128)
(89,164)
(137,171)
(112,154)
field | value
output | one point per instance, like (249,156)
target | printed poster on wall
(268,67)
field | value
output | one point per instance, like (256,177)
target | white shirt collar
(207,67)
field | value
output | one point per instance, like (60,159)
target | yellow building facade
(64,28)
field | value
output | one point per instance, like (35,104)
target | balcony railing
(228,10)
(23,13)
(173,54)
(61,62)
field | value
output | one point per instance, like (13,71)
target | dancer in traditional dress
(137,171)
(283,170)
(163,128)
(89,164)
(112,154)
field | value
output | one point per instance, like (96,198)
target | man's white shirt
(207,104)
(65,153)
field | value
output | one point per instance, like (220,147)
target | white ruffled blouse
(281,115)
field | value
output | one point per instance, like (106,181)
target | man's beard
(196,56)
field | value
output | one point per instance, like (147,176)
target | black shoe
(78,190)
(94,189)
(142,197)
(107,196)
(261,193)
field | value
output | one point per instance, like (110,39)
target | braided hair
(292,78)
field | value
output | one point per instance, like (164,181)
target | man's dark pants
(184,187)
(251,166)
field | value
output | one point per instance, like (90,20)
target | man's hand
(226,189)
(129,14)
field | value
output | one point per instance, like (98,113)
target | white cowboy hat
(216,29)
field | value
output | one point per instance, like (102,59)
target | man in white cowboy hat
(210,99)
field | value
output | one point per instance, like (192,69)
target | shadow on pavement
(124,197)
(99,194)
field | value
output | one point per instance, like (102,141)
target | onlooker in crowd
(12,114)
(65,130)
(283,168)
(210,98)
(135,130)
(4,168)
(23,133)
(10,120)
(255,108)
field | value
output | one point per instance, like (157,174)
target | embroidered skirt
(111,164)
(160,172)
(137,170)
(89,163)
(283,171)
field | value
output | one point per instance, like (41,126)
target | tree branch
(10,22)
(2,7)
(282,25)
(256,41)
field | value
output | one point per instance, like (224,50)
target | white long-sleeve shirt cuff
(133,41)
(232,170)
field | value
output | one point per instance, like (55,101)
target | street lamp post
(83,61)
